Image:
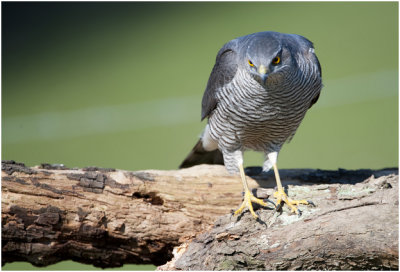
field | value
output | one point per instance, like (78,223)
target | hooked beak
(263,71)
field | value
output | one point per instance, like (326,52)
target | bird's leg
(248,196)
(280,195)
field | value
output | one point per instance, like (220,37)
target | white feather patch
(273,157)
(209,144)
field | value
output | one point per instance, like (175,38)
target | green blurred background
(120,84)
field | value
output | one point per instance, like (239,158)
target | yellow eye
(250,63)
(276,60)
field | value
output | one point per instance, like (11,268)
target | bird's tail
(199,155)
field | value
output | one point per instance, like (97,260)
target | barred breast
(251,116)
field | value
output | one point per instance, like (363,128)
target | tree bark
(354,226)
(109,217)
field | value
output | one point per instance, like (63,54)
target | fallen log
(353,227)
(109,217)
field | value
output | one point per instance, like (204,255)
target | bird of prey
(258,93)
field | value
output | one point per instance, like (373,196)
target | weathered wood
(353,227)
(109,217)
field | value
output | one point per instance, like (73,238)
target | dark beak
(264,78)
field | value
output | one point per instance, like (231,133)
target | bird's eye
(276,60)
(250,63)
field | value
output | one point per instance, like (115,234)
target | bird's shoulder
(224,70)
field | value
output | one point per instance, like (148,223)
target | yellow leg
(248,196)
(280,195)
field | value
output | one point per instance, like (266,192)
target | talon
(299,212)
(282,197)
(248,199)
(248,196)
(278,207)
(280,193)
(270,201)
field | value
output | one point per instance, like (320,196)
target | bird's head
(268,56)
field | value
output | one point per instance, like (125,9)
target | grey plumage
(258,93)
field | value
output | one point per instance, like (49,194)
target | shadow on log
(109,217)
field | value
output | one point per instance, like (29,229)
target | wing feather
(316,97)
(222,73)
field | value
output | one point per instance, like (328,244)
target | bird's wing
(316,97)
(223,72)
(314,100)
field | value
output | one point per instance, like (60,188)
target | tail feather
(199,155)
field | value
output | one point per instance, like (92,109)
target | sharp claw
(249,198)
(254,215)
(278,207)
(270,201)
(311,203)
(299,212)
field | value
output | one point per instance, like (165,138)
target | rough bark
(354,226)
(109,217)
